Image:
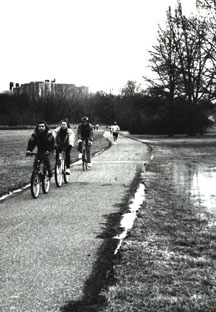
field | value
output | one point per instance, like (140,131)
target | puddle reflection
(198,182)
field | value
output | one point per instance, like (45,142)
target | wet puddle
(128,218)
(191,164)
(198,182)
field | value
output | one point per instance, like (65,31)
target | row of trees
(139,112)
(23,110)
(179,95)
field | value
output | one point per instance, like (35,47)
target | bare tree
(164,63)
(182,57)
(131,88)
(206,4)
(184,60)
(207,11)
(196,54)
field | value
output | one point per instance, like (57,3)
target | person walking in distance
(85,133)
(64,139)
(43,139)
(115,131)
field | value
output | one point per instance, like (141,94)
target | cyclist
(85,133)
(64,138)
(43,139)
(115,131)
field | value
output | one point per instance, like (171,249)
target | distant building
(40,89)
(5,92)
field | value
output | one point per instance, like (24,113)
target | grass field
(168,261)
(16,168)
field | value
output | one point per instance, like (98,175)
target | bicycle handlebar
(35,154)
(86,141)
(31,154)
(60,148)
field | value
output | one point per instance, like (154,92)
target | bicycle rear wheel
(35,184)
(58,173)
(46,182)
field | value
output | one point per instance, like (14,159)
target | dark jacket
(43,141)
(85,132)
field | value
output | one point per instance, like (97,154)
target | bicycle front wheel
(35,184)
(84,161)
(58,173)
(66,176)
(46,183)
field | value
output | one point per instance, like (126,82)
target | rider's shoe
(67,171)
(89,165)
(80,156)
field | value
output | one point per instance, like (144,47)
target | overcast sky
(97,43)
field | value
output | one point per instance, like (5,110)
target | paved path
(49,246)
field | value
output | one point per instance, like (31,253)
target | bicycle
(60,170)
(84,155)
(39,177)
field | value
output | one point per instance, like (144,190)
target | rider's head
(85,120)
(115,123)
(64,124)
(42,126)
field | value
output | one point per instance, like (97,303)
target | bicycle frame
(39,177)
(41,168)
(60,170)
(84,155)
(61,157)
